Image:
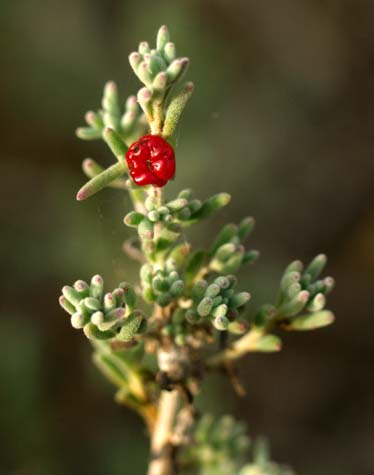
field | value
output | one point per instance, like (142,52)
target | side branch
(254,340)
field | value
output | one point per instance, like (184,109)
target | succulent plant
(157,339)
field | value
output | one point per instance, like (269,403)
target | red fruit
(151,161)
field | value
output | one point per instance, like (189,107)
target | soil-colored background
(283,119)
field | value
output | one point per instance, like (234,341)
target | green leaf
(311,321)
(129,295)
(133,219)
(224,236)
(295,305)
(101,181)
(106,365)
(316,266)
(175,109)
(195,261)
(66,305)
(93,333)
(71,295)
(130,327)
(163,37)
(116,144)
(211,205)
(246,227)
(267,344)
(205,306)
(88,133)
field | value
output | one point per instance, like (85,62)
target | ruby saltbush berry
(151,161)
(156,340)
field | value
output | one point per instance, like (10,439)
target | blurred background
(282,118)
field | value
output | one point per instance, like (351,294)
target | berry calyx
(151,161)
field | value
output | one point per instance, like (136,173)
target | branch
(162,460)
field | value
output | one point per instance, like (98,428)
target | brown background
(283,119)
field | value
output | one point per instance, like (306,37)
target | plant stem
(162,460)
(239,348)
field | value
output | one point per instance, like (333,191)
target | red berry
(151,161)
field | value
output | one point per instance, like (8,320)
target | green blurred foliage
(282,118)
